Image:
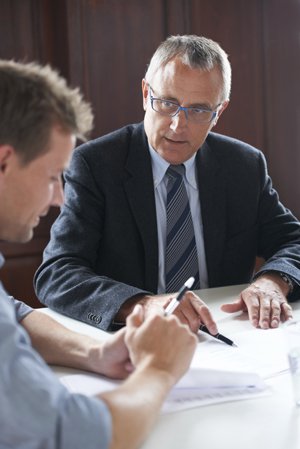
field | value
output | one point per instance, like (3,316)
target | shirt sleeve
(22,309)
(36,409)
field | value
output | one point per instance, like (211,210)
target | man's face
(176,139)
(27,192)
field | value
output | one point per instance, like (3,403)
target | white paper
(259,351)
(218,372)
(198,387)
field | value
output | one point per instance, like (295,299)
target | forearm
(57,344)
(135,405)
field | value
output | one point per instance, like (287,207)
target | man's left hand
(265,301)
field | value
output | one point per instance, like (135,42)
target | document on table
(198,387)
(218,372)
(259,351)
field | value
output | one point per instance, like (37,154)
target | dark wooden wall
(103,46)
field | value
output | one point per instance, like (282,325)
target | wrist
(127,307)
(284,281)
(163,377)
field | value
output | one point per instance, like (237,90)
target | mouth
(175,141)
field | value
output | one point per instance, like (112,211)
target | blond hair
(33,99)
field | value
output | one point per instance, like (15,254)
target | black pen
(175,301)
(218,336)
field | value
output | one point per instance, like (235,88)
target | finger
(275,313)
(252,303)
(118,337)
(179,313)
(204,314)
(129,368)
(136,318)
(265,310)
(121,371)
(286,311)
(186,315)
(236,306)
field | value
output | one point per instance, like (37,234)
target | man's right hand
(159,343)
(191,310)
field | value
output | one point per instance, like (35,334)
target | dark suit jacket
(103,248)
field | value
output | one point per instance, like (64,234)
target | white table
(270,422)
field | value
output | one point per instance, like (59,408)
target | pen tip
(234,345)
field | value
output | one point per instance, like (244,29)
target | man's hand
(191,310)
(265,300)
(159,343)
(111,357)
(161,349)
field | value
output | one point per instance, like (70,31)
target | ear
(145,91)
(220,112)
(7,153)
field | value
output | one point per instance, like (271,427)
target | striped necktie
(181,250)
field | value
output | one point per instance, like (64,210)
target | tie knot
(175,171)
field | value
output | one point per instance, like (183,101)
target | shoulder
(228,150)
(107,155)
(115,141)
(221,143)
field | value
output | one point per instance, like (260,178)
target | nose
(179,120)
(58,194)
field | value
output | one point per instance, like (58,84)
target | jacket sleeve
(279,234)
(69,280)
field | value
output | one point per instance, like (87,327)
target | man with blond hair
(40,119)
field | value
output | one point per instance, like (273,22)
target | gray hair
(33,99)
(197,52)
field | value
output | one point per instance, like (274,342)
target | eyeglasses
(171,108)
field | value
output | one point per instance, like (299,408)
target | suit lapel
(138,185)
(213,210)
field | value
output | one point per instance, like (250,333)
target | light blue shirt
(159,168)
(36,410)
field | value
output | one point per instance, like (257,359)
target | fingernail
(274,323)
(213,330)
(137,308)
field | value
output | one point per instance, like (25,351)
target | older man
(152,204)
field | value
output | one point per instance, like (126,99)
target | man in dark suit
(108,246)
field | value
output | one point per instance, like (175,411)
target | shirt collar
(160,166)
(190,171)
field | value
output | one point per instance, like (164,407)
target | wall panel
(237,26)
(110,42)
(282,97)
(103,46)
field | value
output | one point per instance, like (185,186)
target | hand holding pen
(175,303)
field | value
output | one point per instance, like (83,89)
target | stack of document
(198,387)
(209,386)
